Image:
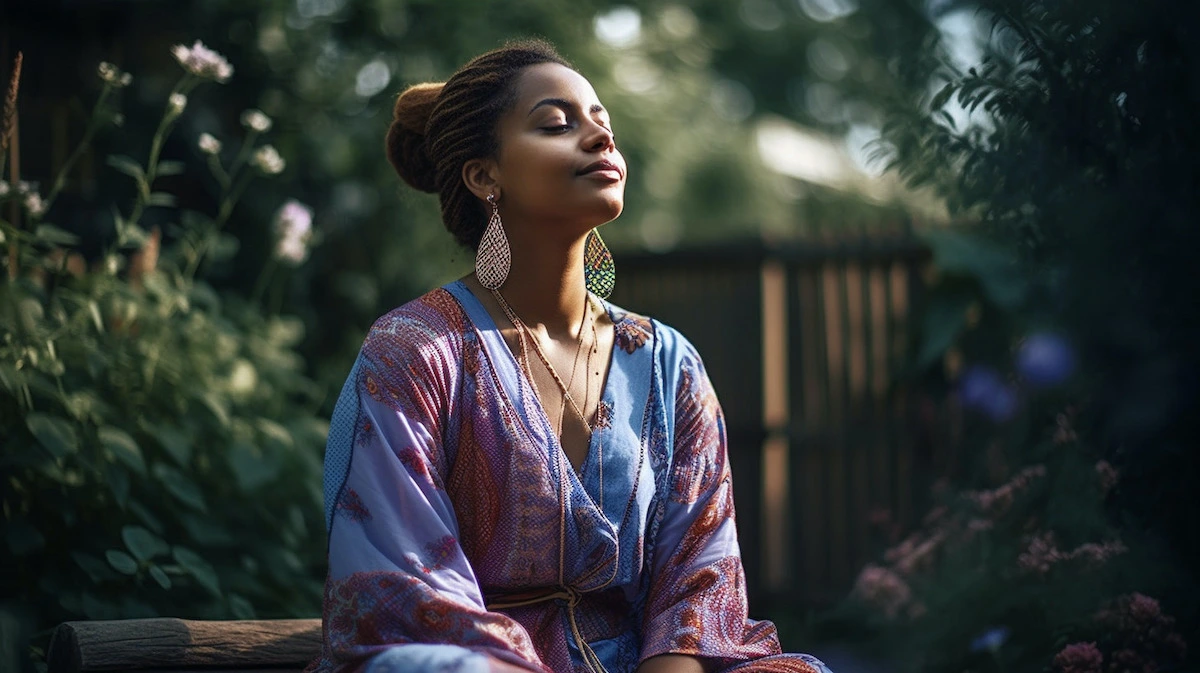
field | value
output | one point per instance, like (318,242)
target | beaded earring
(599,270)
(493,257)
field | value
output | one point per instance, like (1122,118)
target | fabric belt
(572,597)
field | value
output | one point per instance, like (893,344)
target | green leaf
(94,312)
(147,517)
(174,441)
(124,448)
(160,577)
(23,538)
(940,98)
(217,406)
(54,433)
(198,568)
(224,247)
(93,566)
(241,608)
(132,236)
(275,437)
(161,199)
(144,544)
(205,532)
(998,272)
(167,168)
(127,166)
(944,319)
(181,487)
(250,467)
(118,483)
(48,233)
(121,562)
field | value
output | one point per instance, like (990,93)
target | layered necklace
(525,334)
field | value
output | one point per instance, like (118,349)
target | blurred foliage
(1065,143)
(686,84)
(153,429)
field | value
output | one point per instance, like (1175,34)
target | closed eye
(558,128)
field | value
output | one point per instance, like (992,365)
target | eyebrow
(564,105)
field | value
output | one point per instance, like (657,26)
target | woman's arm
(400,586)
(696,602)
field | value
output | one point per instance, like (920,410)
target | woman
(521,476)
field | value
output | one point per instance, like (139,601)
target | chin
(611,209)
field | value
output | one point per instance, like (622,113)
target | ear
(482,177)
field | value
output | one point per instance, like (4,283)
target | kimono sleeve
(400,594)
(696,603)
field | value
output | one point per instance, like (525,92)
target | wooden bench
(168,645)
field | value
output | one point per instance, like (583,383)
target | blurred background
(937,255)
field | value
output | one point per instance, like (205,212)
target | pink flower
(1109,476)
(883,589)
(1041,554)
(1098,553)
(1079,658)
(1064,433)
(1144,609)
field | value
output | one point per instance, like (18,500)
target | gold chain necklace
(522,329)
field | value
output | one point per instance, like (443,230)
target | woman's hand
(674,663)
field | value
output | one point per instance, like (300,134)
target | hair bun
(406,147)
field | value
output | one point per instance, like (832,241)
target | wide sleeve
(400,594)
(696,603)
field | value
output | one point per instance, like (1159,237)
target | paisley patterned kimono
(457,528)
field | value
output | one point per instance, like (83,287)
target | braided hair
(437,127)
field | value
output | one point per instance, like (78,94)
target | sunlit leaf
(161,199)
(167,168)
(48,233)
(127,166)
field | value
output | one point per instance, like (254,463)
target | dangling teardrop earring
(599,270)
(493,257)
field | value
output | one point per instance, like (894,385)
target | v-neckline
(482,318)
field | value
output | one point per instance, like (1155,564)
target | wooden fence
(803,343)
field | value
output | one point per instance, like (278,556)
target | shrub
(161,440)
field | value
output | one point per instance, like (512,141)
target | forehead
(551,80)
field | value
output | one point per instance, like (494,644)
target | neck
(545,284)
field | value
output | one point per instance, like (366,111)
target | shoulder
(675,355)
(429,327)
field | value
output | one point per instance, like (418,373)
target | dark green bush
(161,441)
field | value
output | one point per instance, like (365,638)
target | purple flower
(981,388)
(1045,359)
(990,640)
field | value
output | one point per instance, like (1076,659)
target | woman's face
(557,162)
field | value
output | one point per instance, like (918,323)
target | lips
(603,167)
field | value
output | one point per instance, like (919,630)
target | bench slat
(169,644)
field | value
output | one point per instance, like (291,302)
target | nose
(599,139)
